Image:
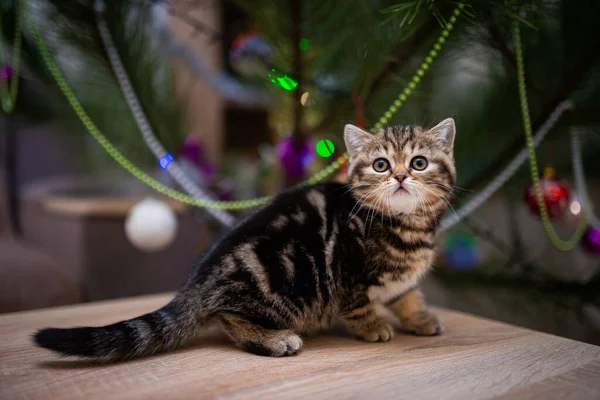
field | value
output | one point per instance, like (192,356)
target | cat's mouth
(401,190)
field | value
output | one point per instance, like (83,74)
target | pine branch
(570,85)
(499,43)
(403,53)
(198,25)
(488,235)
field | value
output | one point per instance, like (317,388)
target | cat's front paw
(382,332)
(424,324)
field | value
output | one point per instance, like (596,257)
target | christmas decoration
(295,157)
(575,206)
(556,195)
(193,151)
(325,148)
(5,73)
(461,251)
(282,80)
(250,54)
(591,240)
(304,98)
(303,44)
(225,190)
(165,160)
(151,225)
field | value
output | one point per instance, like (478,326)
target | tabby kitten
(310,256)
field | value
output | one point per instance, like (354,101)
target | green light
(287,83)
(325,148)
(283,81)
(303,44)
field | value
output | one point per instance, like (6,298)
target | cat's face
(402,169)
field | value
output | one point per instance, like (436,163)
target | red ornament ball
(556,195)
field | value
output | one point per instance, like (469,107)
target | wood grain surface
(475,359)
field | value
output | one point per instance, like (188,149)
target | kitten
(308,257)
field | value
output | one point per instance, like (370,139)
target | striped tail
(159,331)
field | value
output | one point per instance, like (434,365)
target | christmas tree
(318,65)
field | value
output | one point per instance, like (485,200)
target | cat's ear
(444,133)
(355,138)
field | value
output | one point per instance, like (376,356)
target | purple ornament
(294,159)
(194,151)
(591,240)
(6,72)
(226,191)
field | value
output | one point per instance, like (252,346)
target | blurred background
(239,99)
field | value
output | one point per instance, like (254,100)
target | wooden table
(475,359)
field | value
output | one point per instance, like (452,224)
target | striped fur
(310,256)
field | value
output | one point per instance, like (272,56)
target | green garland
(563,245)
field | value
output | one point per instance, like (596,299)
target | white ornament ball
(151,225)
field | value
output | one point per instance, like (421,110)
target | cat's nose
(400,177)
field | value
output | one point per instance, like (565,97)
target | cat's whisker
(372,212)
(462,189)
(359,201)
(389,205)
(420,199)
(427,205)
(430,206)
(371,218)
(448,204)
(387,195)
(356,186)
(446,188)
(439,196)
(362,202)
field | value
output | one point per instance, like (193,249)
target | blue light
(165,160)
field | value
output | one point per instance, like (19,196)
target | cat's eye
(418,163)
(381,165)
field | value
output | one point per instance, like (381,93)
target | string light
(325,148)
(575,207)
(165,160)
(283,81)
(303,44)
(304,98)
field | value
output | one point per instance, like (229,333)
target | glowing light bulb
(303,44)
(165,160)
(575,207)
(283,81)
(304,98)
